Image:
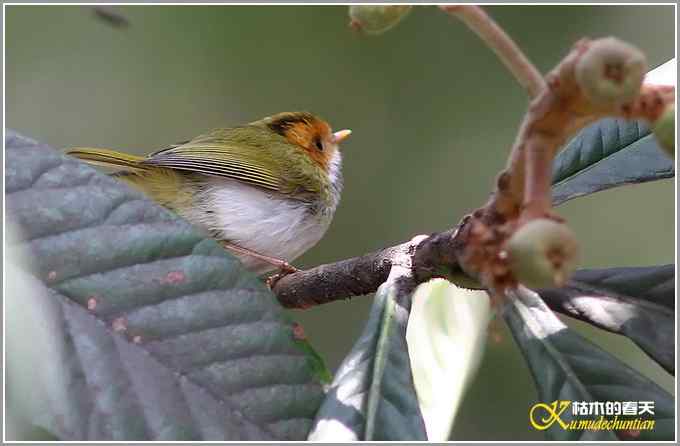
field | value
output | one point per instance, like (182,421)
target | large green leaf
(636,302)
(162,334)
(565,366)
(609,153)
(373,396)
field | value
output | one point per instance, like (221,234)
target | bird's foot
(285,268)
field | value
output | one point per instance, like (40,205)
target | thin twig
(505,48)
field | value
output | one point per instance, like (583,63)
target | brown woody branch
(341,280)
(427,257)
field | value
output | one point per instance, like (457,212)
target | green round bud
(664,130)
(611,72)
(542,253)
(376,19)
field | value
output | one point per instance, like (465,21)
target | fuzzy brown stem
(557,113)
(537,177)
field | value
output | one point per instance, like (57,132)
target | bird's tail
(108,158)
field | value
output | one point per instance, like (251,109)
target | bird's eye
(319,144)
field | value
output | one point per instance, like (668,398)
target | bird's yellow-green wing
(244,154)
(107,157)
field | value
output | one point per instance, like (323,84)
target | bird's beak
(341,135)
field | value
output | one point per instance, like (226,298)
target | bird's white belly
(260,221)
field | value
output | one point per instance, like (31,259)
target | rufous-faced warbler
(267,190)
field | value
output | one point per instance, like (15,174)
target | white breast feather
(265,222)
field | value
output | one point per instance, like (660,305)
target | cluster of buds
(517,238)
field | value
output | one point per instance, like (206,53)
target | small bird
(267,190)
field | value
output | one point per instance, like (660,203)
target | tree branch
(341,280)
(427,256)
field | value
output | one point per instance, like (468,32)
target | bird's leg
(284,267)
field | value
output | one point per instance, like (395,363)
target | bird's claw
(285,268)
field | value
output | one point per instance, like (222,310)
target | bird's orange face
(311,134)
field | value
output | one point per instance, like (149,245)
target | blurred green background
(432,110)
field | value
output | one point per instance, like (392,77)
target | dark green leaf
(165,336)
(567,367)
(373,396)
(636,302)
(609,153)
